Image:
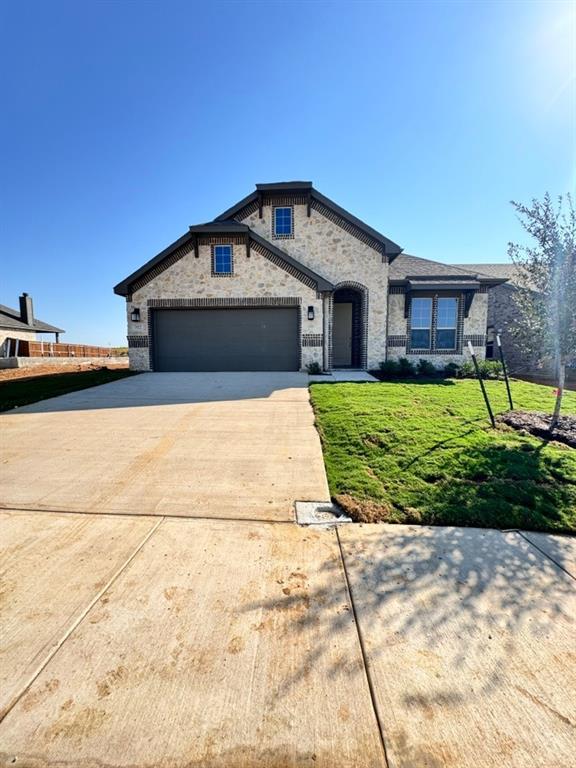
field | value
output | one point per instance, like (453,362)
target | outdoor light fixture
(135,315)
(310,313)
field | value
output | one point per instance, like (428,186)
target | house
(285,278)
(22,325)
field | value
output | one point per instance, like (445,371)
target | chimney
(26,310)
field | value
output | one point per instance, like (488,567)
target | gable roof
(184,245)
(406,268)
(10,318)
(305,190)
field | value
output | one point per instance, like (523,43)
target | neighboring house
(503,314)
(285,278)
(21,323)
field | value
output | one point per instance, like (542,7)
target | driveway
(240,445)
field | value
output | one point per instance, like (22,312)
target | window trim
(216,273)
(282,236)
(433,349)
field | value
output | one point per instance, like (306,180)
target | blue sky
(124,122)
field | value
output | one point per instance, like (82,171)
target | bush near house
(405,369)
(422,451)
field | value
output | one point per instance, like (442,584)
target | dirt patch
(7,374)
(365,510)
(538,424)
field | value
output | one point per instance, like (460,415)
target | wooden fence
(22,348)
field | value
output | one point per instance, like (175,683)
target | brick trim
(397,341)
(139,341)
(212,260)
(273,235)
(300,199)
(477,339)
(221,239)
(363,291)
(277,261)
(256,301)
(178,254)
(459,326)
(356,232)
(312,339)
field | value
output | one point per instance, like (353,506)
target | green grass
(18,392)
(425,453)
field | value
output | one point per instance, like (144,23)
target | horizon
(122,131)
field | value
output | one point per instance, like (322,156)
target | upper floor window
(446,323)
(222,259)
(283,222)
(421,323)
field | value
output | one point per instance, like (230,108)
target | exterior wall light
(135,315)
(310,313)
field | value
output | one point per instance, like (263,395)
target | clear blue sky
(124,122)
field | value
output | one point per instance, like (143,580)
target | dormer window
(283,221)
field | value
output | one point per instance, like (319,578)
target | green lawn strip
(424,452)
(18,392)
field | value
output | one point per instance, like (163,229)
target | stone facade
(337,255)
(191,278)
(472,328)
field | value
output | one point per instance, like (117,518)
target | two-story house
(286,277)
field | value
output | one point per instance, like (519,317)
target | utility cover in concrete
(319,513)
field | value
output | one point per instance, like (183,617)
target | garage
(238,339)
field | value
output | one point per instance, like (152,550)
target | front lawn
(18,392)
(424,452)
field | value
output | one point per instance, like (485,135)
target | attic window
(222,262)
(283,222)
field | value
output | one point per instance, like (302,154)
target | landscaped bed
(23,391)
(423,452)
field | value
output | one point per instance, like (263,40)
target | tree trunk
(559,392)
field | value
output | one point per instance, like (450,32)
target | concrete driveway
(239,445)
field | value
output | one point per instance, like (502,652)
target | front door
(342,335)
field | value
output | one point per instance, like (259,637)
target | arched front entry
(349,329)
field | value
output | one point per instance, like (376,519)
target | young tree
(546,297)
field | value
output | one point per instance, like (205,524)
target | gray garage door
(259,339)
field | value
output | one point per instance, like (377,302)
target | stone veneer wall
(338,256)
(254,277)
(8,333)
(474,327)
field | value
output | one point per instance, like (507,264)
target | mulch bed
(538,424)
